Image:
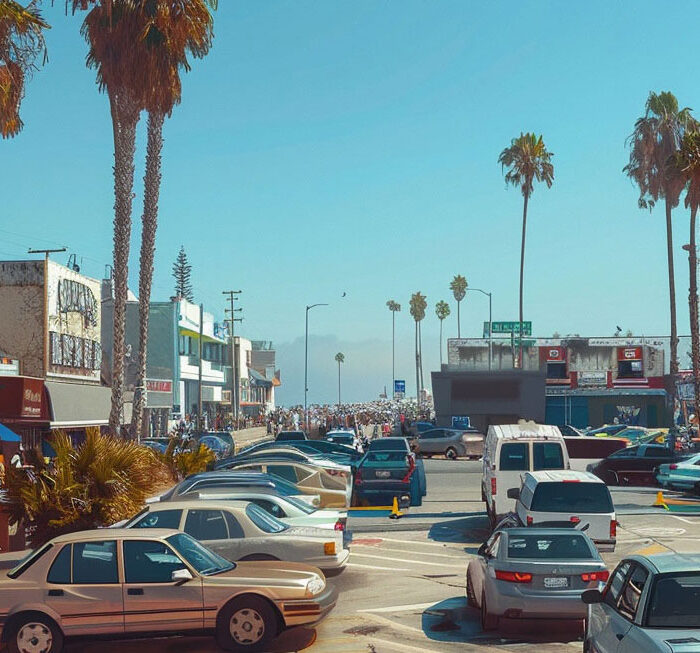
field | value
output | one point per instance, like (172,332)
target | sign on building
(594,379)
(460,422)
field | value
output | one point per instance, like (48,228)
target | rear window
(387,444)
(515,457)
(549,547)
(572,498)
(264,520)
(386,457)
(547,455)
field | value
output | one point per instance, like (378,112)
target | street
(404,588)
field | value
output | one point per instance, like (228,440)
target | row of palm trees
(138,49)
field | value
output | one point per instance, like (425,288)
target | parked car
(227,479)
(225,436)
(510,450)
(633,465)
(286,436)
(384,475)
(563,498)
(333,484)
(220,447)
(338,452)
(607,429)
(681,475)
(567,430)
(167,582)
(288,452)
(241,530)
(155,445)
(533,573)
(402,445)
(450,442)
(346,438)
(651,604)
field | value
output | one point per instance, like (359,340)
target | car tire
(451,453)
(247,623)
(488,621)
(34,625)
(471,599)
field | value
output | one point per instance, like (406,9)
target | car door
(83,588)
(606,627)
(621,466)
(653,456)
(153,602)
(218,530)
(481,564)
(432,441)
(629,606)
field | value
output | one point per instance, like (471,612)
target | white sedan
(240,530)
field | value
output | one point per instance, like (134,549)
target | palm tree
(685,167)
(171,31)
(458,286)
(527,159)
(21,43)
(339,358)
(394,307)
(656,138)
(442,310)
(418,305)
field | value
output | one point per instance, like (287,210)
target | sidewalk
(246,437)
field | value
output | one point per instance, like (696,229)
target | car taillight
(339,525)
(358,476)
(613,528)
(529,520)
(575,520)
(598,576)
(329,548)
(493,486)
(513,576)
(673,466)
(411,468)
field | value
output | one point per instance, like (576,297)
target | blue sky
(330,147)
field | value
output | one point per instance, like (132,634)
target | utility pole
(306,365)
(231,294)
(200,421)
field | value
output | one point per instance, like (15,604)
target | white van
(510,450)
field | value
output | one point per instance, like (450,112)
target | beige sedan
(121,582)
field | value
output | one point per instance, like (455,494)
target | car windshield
(29,560)
(572,497)
(675,601)
(298,503)
(264,520)
(388,444)
(386,457)
(206,562)
(571,546)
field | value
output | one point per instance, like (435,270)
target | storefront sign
(593,379)
(21,397)
(629,354)
(555,354)
(155,385)
(9,367)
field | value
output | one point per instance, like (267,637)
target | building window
(557,371)
(630,370)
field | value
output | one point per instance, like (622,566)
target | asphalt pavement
(404,588)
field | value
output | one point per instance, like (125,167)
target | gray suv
(450,442)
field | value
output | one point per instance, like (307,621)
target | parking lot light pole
(488,294)
(306,364)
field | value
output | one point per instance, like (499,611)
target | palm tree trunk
(459,328)
(151,194)
(441,344)
(693,305)
(124,119)
(671,291)
(338,384)
(417,374)
(420,354)
(393,354)
(522,269)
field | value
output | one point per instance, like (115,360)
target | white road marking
(687,521)
(387,539)
(411,562)
(400,608)
(386,548)
(658,532)
(354,564)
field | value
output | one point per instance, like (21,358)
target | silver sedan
(533,573)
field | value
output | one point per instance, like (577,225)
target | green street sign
(508,327)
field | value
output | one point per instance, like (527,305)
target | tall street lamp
(306,364)
(488,294)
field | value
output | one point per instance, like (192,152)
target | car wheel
(451,453)
(35,633)
(488,621)
(471,599)
(247,623)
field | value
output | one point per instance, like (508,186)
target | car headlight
(315,586)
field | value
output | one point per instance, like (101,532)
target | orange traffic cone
(660,503)
(395,512)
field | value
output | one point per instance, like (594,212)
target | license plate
(556,582)
(383,474)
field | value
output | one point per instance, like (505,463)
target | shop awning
(258,379)
(8,436)
(76,405)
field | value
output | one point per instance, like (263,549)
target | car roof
(229,474)
(526,430)
(112,533)
(181,504)
(534,530)
(563,475)
(670,562)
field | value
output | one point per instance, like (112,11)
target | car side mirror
(513,493)
(482,550)
(592,596)
(181,576)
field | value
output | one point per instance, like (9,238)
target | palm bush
(181,460)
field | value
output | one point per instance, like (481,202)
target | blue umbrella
(8,436)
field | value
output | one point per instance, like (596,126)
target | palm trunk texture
(459,327)
(149,220)
(417,375)
(671,292)
(522,269)
(124,119)
(420,355)
(693,306)
(440,345)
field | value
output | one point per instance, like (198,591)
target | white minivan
(510,450)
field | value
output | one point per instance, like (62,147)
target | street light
(306,364)
(488,294)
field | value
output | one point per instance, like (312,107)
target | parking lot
(404,589)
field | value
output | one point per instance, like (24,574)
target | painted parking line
(400,608)
(414,563)
(683,519)
(438,555)
(354,564)
(420,542)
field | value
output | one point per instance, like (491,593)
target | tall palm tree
(21,43)
(685,167)
(339,358)
(527,160)
(656,138)
(442,310)
(171,31)
(458,286)
(394,307)
(418,305)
